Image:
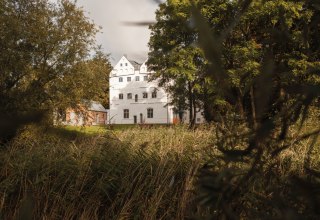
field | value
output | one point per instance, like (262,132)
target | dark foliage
(246,182)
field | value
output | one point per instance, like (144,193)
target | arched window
(136,98)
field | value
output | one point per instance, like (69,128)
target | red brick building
(95,114)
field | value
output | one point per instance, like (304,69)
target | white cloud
(118,38)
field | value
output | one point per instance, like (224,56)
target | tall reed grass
(135,173)
(131,174)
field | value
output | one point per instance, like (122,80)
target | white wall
(162,114)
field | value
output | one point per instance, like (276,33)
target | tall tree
(45,59)
(174,57)
(267,60)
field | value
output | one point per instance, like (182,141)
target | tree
(45,60)
(174,58)
(265,60)
(263,73)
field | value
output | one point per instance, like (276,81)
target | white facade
(135,100)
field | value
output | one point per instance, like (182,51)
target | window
(129,79)
(126,64)
(145,95)
(154,94)
(198,119)
(150,112)
(129,96)
(136,98)
(137,78)
(145,78)
(120,96)
(120,79)
(120,64)
(125,113)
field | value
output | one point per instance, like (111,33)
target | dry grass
(136,173)
(124,174)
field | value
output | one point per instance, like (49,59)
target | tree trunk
(207,105)
(240,104)
(253,108)
(194,110)
(190,103)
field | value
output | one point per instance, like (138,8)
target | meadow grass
(133,173)
(114,174)
(85,129)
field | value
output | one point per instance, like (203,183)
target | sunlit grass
(132,173)
(119,174)
(87,129)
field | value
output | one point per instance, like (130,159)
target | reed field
(133,173)
(136,173)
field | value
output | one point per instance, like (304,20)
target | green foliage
(45,58)
(262,78)
(173,57)
(264,62)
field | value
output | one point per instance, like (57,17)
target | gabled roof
(96,106)
(135,64)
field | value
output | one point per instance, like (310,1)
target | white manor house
(135,100)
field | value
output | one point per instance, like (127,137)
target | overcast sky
(118,38)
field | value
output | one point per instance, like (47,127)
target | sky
(117,37)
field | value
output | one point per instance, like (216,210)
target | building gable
(144,68)
(124,67)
